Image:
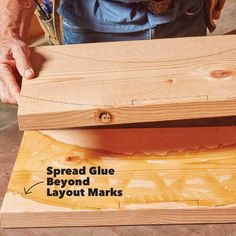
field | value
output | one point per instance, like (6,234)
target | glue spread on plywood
(177,175)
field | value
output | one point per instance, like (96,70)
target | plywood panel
(171,175)
(128,82)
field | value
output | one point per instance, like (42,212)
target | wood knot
(169,81)
(72,158)
(104,117)
(220,74)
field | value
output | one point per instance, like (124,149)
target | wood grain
(129,82)
(168,176)
(107,218)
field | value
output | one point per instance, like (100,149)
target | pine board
(129,82)
(167,175)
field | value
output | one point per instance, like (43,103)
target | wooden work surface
(168,175)
(129,82)
(9,142)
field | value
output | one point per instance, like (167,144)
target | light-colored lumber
(168,176)
(129,82)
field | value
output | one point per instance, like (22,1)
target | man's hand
(15,18)
(14,55)
(219,4)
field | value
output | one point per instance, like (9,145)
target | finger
(216,15)
(5,96)
(5,57)
(11,90)
(218,8)
(21,56)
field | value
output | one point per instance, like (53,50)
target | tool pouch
(52,27)
(47,26)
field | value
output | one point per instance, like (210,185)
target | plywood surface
(169,175)
(128,82)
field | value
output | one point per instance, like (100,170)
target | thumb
(21,56)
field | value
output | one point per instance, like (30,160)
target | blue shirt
(117,15)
